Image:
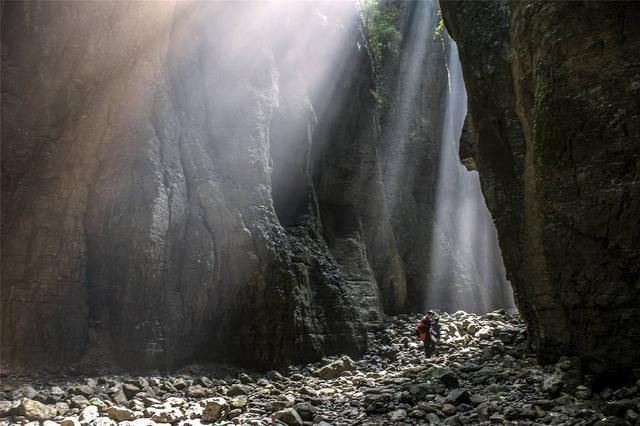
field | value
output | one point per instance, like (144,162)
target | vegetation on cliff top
(380,19)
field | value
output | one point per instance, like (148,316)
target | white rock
(89,414)
(164,414)
(138,422)
(103,421)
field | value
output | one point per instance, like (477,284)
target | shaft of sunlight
(413,76)
(465,261)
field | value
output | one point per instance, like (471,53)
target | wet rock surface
(475,377)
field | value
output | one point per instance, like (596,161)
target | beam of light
(406,135)
(413,77)
(456,263)
(466,264)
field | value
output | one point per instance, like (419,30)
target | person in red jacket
(428,331)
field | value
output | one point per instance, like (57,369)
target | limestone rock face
(553,98)
(176,184)
(413,83)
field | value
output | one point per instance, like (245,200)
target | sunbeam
(468,273)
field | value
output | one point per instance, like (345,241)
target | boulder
(336,368)
(34,410)
(102,421)
(130,390)
(306,411)
(198,391)
(215,409)
(288,416)
(120,413)
(458,396)
(89,414)
(239,401)
(84,390)
(164,414)
(235,390)
(397,415)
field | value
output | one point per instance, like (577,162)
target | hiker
(428,331)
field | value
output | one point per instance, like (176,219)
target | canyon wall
(178,185)
(553,130)
(188,181)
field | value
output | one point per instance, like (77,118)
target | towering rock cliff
(177,184)
(553,98)
(213,181)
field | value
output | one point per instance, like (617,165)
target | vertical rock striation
(75,113)
(553,96)
(211,181)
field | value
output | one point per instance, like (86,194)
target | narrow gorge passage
(236,212)
(453,262)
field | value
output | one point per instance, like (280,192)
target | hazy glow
(294,54)
(410,82)
(467,274)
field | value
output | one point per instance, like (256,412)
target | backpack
(434,331)
(421,331)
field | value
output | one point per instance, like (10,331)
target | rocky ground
(482,373)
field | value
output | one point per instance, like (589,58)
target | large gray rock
(34,410)
(335,368)
(236,390)
(164,414)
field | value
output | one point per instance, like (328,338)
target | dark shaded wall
(554,111)
(172,187)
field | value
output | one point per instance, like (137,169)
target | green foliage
(376,95)
(437,33)
(380,23)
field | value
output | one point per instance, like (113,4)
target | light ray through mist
(412,78)
(446,235)
(296,53)
(466,265)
